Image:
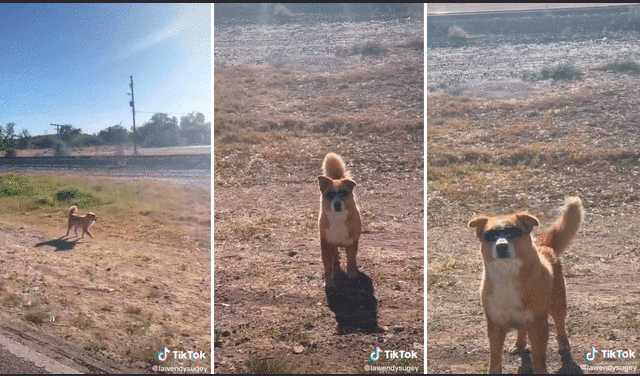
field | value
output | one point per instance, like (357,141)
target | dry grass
(142,283)
(496,157)
(272,129)
(261,99)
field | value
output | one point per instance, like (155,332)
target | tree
(68,132)
(160,130)
(114,135)
(9,135)
(193,129)
(3,141)
(8,139)
(24,140)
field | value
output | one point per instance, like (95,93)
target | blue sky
(70,64)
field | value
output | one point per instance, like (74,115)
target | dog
(340,223)
(523,283)
(84,221)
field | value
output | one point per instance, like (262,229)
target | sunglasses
(332,195)
(507,233)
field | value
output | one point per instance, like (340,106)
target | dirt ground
(113,302)
(498,142)
(271,312)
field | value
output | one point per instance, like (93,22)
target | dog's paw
(517,351)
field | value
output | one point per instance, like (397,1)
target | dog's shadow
(353,303)
(63,243)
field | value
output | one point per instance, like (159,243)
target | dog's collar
(508,233)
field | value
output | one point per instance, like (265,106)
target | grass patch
(369,49)
(267,367)
(18,185)
(561,72)
(33,192)
(622,66)
(245,229)
(416,45)
(37,316)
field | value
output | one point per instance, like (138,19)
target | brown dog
(340,222)
(523,284)
(84,221)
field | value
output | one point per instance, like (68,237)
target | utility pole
(133,110)
(57,129)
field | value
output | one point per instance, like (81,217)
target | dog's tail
(333,167)
(72,210)
(560,235)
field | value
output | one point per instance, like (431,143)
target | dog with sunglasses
(523,283)
(340,222)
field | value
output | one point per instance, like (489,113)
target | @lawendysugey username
(180,369)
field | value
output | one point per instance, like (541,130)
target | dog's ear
(528,221)
(478,223)
(349,183)
(325,182)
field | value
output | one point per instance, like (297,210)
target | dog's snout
(337,206)
(502,248)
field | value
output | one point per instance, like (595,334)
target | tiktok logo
(375,355)
(592,355)
(162,355)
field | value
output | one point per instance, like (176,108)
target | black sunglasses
(508,233)
(332,195)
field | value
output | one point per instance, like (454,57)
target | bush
(369,49)
(67,194)
(83,140)
(60,149)
(562,72)
(623,67)
(76,197)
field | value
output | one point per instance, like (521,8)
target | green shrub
(60,149)
(562,72)
(620,66)
(369,49)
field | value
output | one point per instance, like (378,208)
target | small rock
(398,328)
(298,349)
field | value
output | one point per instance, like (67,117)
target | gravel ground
(468,67)
(493,67)
(310,47)
(503,52)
